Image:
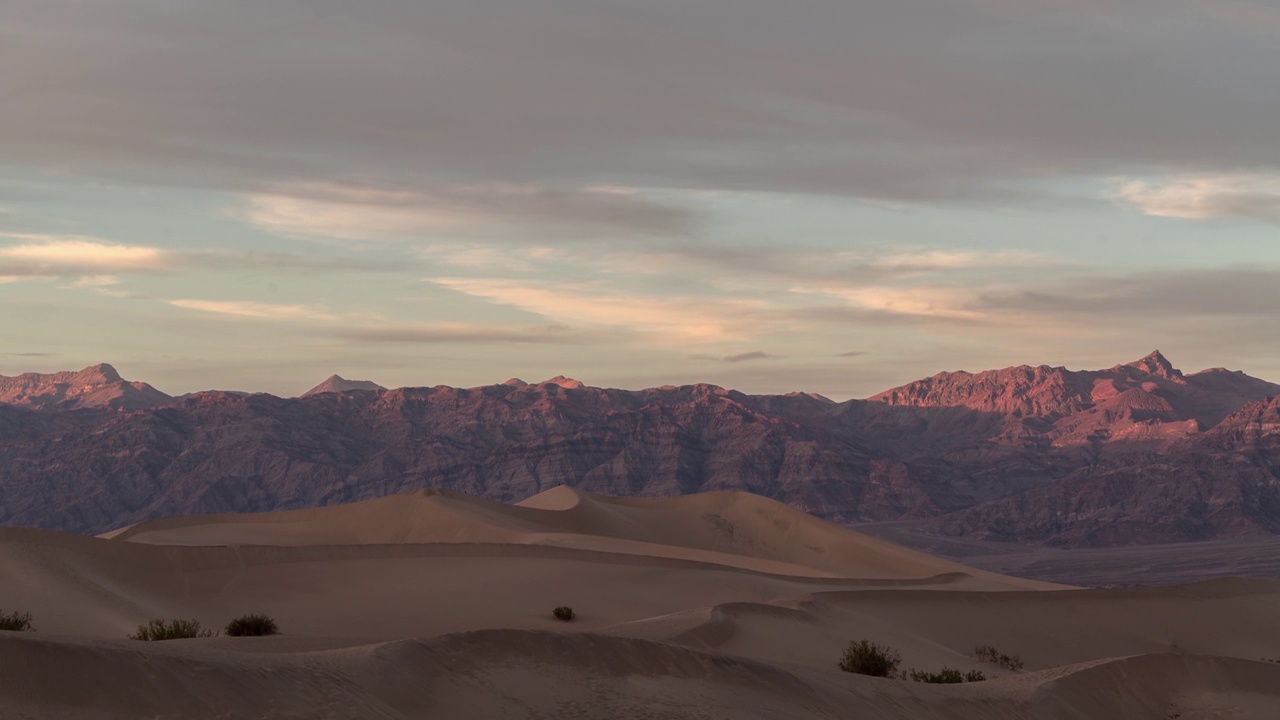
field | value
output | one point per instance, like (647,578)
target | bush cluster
(947,676)
(990,654)
(160,629)
(251,625)
(1271,659)
(867,658)
(15,621)
(564,612)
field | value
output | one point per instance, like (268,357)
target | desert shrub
(15,621)
(564,612)
(867,658)
(159,629)
(989,654)
(947,676)
(251,625)
(1271,659)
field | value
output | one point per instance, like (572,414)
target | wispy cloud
(431,333)
(256,310)
(475,257)
(96,281)
(1198,197)
(368,212)
(927,301)
(673,319)
(738,358)
(53,255)
(924,260)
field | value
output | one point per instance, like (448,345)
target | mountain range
(1136,453)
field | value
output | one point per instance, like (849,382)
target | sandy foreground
(723,605)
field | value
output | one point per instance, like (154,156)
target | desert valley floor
(722,605)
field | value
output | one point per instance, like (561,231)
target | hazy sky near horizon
(833,196)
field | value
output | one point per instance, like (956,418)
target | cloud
(56,255)
(965,104)
(97,260)
(741,357)
(1241,15)
(231,260)
(505,257)
(925,301)
(364,212)
(671,319)
(1199,197)
(852,354)
(923,260)
(1171,294)
(96,281)
(256,310)
(433,333)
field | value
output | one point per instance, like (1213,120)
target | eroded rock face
(1135,453)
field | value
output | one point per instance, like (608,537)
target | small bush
(564,612)
(15,621)
(867,658)
(159,629)
(989,654)
(947,676)
(251,625)
(1271,659)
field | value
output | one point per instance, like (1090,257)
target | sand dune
(436,605)
(730,528)
(513,673)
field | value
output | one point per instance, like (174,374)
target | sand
(723,605)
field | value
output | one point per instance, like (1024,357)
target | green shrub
(159,629)
(564,612)
(15,621)
(947,676)
(867,658)
(989,654)
(251,625)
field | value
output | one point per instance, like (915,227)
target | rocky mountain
(337,384)
(1223,483)
(97,386)
(1135,453)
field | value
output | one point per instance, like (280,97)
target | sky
(834,196)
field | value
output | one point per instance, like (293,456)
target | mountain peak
(336,383)
(1156,364)
(97,386)
(99,374)
(564,382)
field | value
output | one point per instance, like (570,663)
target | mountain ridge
(1135,453)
